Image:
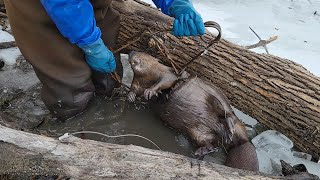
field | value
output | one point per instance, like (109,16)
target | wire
(108,136)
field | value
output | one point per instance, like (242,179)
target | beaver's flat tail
(243,157)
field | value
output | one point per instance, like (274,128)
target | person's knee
(64,105)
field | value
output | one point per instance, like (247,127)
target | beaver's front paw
(131,96)
(148,93)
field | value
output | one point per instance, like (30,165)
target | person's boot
(105,83)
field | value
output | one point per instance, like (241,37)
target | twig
(166,53)
(6,45)
(261,42)
(255,33)
(207,24)
(134,39)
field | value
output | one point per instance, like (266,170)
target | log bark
(6,45)
(277,92)
(26,155)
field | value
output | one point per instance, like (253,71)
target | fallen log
(25,156)
(6,45)
(277,92)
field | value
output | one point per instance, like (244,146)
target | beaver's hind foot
(149,93)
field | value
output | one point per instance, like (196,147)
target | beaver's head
(141,62)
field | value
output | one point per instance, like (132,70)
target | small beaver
(196,109)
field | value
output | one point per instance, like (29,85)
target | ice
(302,155)
(245,118)
(251,132)
(272,138)
(272,146)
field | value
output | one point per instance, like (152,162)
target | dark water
(116,117)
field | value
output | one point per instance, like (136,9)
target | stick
(261,42)
(6,45)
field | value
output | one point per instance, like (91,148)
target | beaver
(200,111)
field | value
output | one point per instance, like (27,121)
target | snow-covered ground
(10,55)
(293,21)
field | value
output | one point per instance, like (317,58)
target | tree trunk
(25,156)
(277,92)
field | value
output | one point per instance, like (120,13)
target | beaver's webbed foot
(148,93)
(204,150)
(131,96)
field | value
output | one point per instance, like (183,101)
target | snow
(10,55)
(4,36)
(293,22)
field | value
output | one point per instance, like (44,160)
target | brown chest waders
(68,83)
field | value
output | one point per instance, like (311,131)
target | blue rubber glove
(188,21)
(75,21)
(99,57)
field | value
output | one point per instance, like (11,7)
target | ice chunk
(272,146)
(302,155)
(244,118)
(272,138)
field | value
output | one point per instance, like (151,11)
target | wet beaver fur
(196,109)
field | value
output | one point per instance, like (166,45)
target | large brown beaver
(194,108)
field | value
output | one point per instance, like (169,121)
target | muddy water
(115,117)
(118,117)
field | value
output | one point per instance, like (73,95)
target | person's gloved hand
(188,21)
(99,57)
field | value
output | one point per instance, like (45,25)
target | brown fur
(194,108)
